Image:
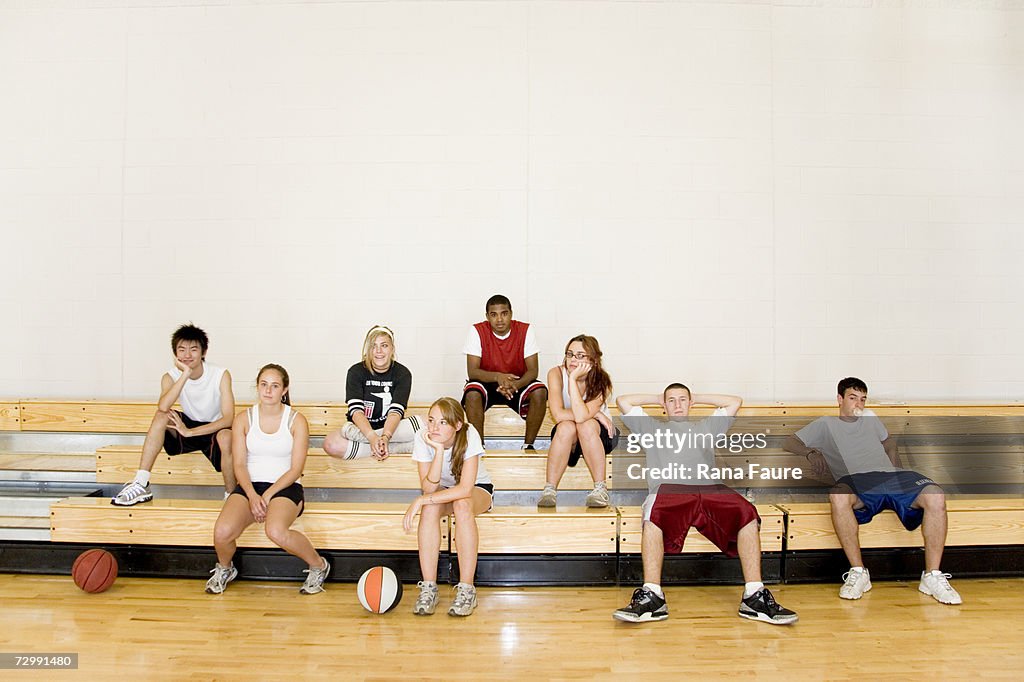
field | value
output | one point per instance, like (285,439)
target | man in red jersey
(501,361)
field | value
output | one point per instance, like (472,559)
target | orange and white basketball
(379,589)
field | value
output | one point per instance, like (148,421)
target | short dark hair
(189,332)
(689,393)
(851,382)
(498,299)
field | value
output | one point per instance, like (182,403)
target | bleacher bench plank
(109,416)
(631,531)
(509,470)
(529,530)
(10,416)
(333,525)
(32,461)
(994,521)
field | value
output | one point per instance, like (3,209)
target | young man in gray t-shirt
(863,458)
(679,502)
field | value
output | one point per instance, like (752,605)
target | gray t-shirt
(678,449)
(853,447)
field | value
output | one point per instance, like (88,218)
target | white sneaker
(426,603)
(133,492)
(936,584)
(548,497)
(464,602)
(315,579)
(598,497)
(222,575)
(855,584)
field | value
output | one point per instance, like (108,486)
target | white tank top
(567,401)
(270,454)
(200,398)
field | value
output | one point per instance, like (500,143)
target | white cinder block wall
(753,197)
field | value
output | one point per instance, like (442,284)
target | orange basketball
(379,590)
(94,570)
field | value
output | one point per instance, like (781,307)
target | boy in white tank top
(204,422)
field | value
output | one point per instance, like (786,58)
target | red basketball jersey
(503,355)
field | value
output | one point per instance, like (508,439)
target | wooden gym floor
(170,629)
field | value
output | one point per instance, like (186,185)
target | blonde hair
(451,412)
(371,338)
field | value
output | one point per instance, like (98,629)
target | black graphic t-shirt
(375,395)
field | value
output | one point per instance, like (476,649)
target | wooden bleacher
(338,525)
(995,521)
(787,527)
(510,470)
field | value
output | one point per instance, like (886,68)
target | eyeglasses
(569,355)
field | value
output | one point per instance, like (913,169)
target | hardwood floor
(170,629)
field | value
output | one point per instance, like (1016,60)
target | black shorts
(176,444)
(293,492)
(609,443)
(520,401)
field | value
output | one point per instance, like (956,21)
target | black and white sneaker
(643,607)
(762,606)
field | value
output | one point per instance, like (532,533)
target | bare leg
(653,552)
(467,538)
(336,445)
(845,524)
(475,411)
(234,518)
(535,414)
(226,465)
(748,543)
(428,538)
(154,440)
(281,514)
(558,453)
(933,501)
(593,449)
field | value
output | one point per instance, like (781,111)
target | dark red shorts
(717,511)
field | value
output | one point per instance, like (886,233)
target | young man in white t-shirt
(858,451)
(204,422)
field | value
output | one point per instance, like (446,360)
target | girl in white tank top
(579,388)
(270,454)
(268,488)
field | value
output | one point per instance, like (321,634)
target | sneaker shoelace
(220,575)
(426,594)
(640,596)
(942,579)
(851,577)
(463,597)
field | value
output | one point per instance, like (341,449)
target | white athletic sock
(656,589)
(142,477)
(859,569)
(752,588)
(430,583)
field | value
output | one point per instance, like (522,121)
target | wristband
(427,479)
